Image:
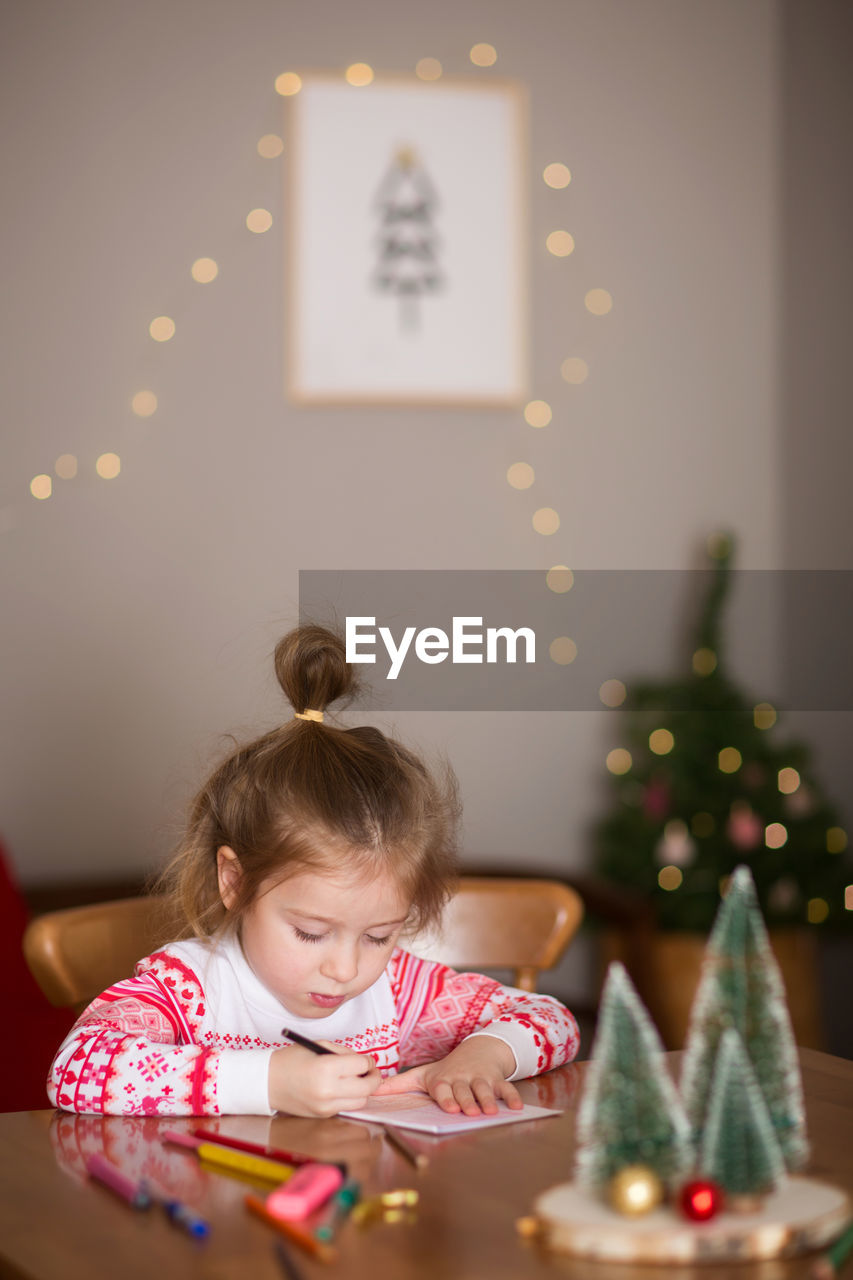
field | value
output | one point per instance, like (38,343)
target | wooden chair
(521,925)
(76,954)
(504,923)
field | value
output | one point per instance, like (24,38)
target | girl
(307,854)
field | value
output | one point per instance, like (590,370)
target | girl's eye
(378,942)
(307,937)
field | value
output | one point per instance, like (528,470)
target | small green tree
(741,988)
(739,1148)
(630,1111)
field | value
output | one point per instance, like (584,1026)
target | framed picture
(407,246)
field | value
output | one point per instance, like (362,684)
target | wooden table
(57,1225)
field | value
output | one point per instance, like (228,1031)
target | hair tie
(309,715)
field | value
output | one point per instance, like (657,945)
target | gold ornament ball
(635,1189)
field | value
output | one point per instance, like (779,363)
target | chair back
(490,923)
(493,922)
(76,954)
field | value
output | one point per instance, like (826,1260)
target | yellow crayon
(240,1162)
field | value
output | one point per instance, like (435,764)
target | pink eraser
(309,1187)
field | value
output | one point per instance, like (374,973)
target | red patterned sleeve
(438,1007)
(134,1051)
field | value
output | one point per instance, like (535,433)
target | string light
(162,328)
(775,835)
(41,487)
(670,877)
(537,413)
(520,475)
(704,662)
(562,650)
(619,760)
(259,220)
(428,69)
(546,521)
(613,693)
(729,760)
(288,83)
(66,466)
(204,270)
(560,243)
(661,742)
(788,781)
(144,404)
(598,302)
(108,465)
(270,146)
(763,715)
(556,176)
(574,370)
(483,55)
(359,75)
(559,579)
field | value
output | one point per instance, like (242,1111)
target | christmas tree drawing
(408,244)
(739,1150)
(710,785)
(741,989)
(630,1112)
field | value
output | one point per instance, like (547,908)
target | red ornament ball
(700,1200)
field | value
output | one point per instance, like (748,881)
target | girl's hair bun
(312,668)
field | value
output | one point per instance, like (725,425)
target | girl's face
(317,939)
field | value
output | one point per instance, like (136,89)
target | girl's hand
(470,1079)
(308,1084)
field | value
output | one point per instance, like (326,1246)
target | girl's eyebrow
(307,915)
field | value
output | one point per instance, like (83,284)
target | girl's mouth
(325,1002)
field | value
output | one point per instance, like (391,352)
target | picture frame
(406,242)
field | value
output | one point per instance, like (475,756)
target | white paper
(412,1111)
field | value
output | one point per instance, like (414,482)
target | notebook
(413,1111)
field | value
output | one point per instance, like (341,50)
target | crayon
(133,1193)
(254,1148)
(295,1234)
(240,1163)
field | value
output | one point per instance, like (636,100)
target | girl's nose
(340,964)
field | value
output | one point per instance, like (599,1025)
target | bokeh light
(162,328)
(670,877)
(729,760)
(270,146)
(788,781)
(619,760)
(259,220)
(428,69)
(203,270)
(836,840)
(598,302)
(66,466)
(537,413)
(288,83)
(817,910)
(574,370)
(560,243)
(661,742)
(562,650)
(359,74)
(559,579)
(521,475)
(41,486)
(556,176)
(144,404)
(108,465)
(546,521)
(483,55)
(775,835)
(613,693)
(704,662)
(763,715)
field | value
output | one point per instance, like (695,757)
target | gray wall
(140,613)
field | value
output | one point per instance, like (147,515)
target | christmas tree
(408,266)
(739,1148)
(709,785)
(630,1112)
(741,989)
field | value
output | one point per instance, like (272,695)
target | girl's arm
(475,1034)
(134,1052)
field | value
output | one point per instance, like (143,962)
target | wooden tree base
(801,1215)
